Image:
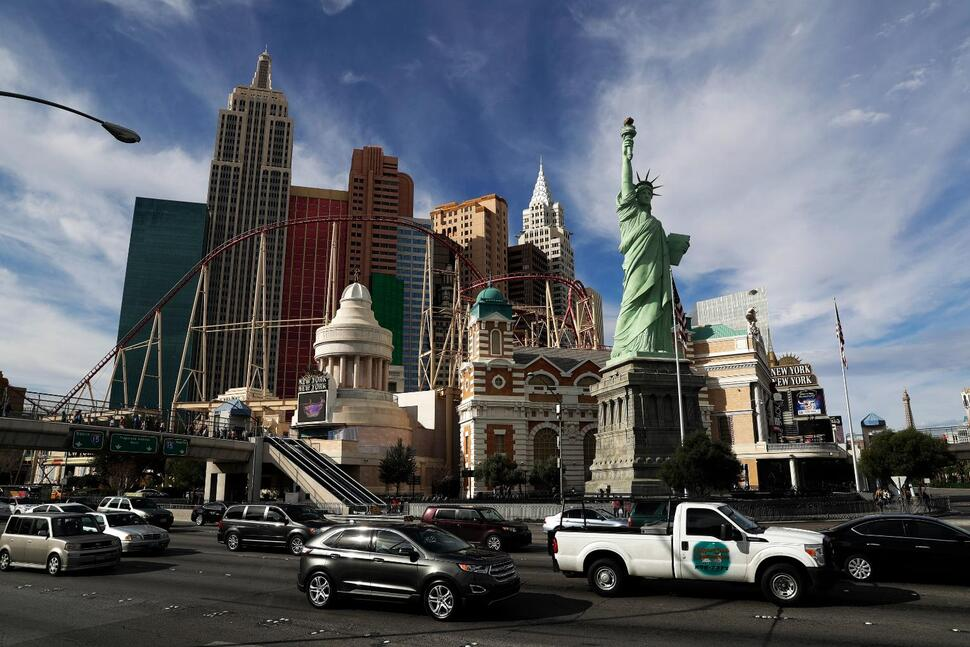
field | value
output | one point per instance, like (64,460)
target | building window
(495,343)
(541,380)
(544,446)
(586,382)
(498,381)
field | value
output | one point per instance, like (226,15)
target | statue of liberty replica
(639,414)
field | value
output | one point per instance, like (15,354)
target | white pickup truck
(702,541)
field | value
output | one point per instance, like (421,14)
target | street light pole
(122,134)
(562,470)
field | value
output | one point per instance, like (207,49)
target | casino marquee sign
(793,376)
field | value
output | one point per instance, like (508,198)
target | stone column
(358,383)
(759,413)
(387,374)
(793,468)
(341,381)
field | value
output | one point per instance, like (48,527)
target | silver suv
(56,542)
(145,508)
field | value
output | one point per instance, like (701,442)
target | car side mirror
(414,556)
(726,534)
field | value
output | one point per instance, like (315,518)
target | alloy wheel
(4,561)
(494,542)
(53,565)
(319,590)
(296,545)
(232,542)
(441,601)
(199,520)
(859,568)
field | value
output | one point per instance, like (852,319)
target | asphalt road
(200,594)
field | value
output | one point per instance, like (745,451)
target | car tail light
(219,524)
(555,545)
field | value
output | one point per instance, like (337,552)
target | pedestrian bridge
(24,433)
(315,473)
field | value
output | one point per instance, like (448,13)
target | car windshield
(434,540)
(746,524)
(143,504)
(491,515)
(74,507)
(67,526)
(124,519)
(302,513)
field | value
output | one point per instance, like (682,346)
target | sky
(816,149)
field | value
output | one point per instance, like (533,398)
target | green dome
(491,301)
(490,295)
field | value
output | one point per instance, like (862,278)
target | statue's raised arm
(626,173)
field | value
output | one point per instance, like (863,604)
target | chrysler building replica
(543,226)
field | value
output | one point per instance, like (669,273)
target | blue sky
(817,149)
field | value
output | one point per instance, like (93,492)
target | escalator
(317,474)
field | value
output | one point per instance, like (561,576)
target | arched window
(589,452)
(495,342)
(544,446)
(586,382)
(539,379)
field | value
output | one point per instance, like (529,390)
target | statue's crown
(648,182)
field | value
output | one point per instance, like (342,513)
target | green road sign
(134,444)
(82,439)
(175,447)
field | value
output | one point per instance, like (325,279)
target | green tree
(500,473)
(908,453)
(397,466)
(701,466)
(545,476)
(182,474)
(123,472)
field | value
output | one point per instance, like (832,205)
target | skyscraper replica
(730,310)
(249,183)
(543,226)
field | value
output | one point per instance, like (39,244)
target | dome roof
(490,295)
(491,302)
(356,292)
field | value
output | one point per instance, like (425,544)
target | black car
(901,544)
(405,562)
(210,512)
(270,525)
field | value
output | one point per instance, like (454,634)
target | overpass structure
(316,474)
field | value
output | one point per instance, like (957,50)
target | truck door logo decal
(711,557)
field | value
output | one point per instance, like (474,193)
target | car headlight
(508,528)
(815,552)
(128,538)
(71,546)
(473,568)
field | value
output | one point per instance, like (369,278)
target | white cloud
(155,11)
(68,194)
(916,80)
(773,196)
(349,78)
(333,7)
(460,61)
(855,117)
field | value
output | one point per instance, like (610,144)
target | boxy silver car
(56,542)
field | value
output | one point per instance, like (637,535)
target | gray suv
(405,562)
(56,542)
(281,524)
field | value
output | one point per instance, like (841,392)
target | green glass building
(388,294)
(167,240)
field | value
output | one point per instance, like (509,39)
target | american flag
(838,333)
(680,316)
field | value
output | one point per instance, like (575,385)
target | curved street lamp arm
(120,133)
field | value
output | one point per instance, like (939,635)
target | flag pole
(848,406)
(680,397)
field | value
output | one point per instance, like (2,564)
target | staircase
(317,474)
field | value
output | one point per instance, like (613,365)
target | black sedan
(872,547)
(210,512)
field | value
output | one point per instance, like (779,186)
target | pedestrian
(878,498)
(616,507)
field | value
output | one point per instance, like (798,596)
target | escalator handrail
(365,495)
(315,472)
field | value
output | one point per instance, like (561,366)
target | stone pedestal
(639,424)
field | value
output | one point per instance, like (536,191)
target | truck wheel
(859,568)
(782,584)
(607,577)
